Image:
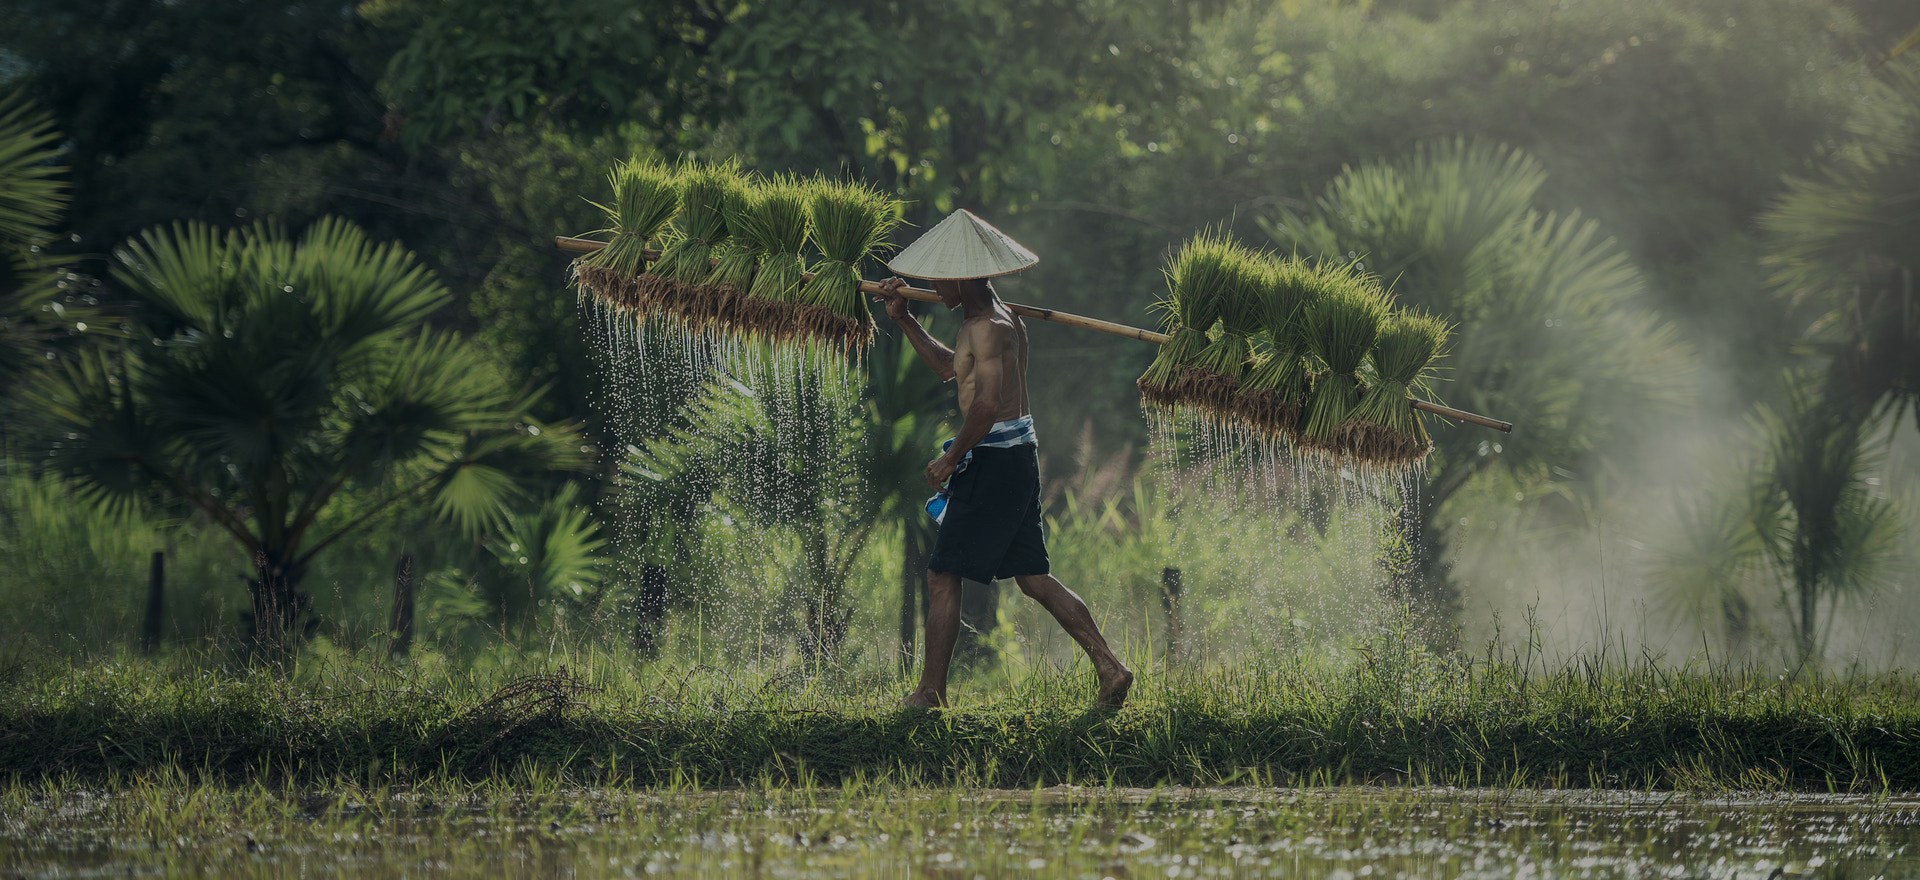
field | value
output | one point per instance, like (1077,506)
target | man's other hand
(938,470)
(890,294)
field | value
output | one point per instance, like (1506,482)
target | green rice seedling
(1197,277)
(1386,427)
(1341,328)
(1274,393)
(646,195)
(726,288)
(775,227)
(687,261)
(1215,373)
(850,221)
(735,262)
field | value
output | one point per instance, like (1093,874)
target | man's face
(949,293)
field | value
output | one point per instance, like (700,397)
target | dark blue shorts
(992,528)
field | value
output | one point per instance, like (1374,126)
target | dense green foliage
(1720,148)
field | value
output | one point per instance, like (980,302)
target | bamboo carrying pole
(587,246)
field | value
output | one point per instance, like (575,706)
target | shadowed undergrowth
(1394,716)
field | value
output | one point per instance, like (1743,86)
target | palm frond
(32,196)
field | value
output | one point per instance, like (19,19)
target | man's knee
(941,583)
(1034,585)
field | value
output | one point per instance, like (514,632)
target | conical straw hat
(962,246)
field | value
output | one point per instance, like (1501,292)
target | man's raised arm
(937,357)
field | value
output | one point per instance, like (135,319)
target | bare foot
(1114,687)
(922,699)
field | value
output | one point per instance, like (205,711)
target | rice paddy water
(535,826)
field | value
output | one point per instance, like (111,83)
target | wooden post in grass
(401,624)
(651,614)
(1170,586)
(156,603)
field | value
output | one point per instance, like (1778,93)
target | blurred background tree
(1548,325)
(1845,249)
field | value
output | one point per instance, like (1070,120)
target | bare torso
(1005,340)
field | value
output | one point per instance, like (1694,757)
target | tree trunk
(1423,579)
(1171,586)
(150,626)
(1736,615)
(979,616)
(1807,593)
(827,619)
(916,545)
(650,615)
(278,607)
(401,622)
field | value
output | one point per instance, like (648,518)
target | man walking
(988,478)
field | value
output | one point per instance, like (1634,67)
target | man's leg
(1066,607)
(943,629)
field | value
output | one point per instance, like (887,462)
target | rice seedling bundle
(774,228)
(646,195)
(734,263)
(850,221)
(1341,327)
(1213,377)
(1274,391)
(1384,425)
(687,262)
(1197,278)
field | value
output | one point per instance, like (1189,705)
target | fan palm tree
(1547,329)
(1846,248)
(1845,252)
(1816,515)
(289,392)
(32,202)
(1710,562)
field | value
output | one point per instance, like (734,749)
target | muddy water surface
(880,832)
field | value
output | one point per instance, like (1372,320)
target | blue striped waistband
(1011,432)
(1004,434)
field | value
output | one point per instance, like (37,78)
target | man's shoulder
(987,326)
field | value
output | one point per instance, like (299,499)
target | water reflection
(1061,831)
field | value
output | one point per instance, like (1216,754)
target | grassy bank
(1396,716)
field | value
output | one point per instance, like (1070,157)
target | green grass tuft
(1242,305)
